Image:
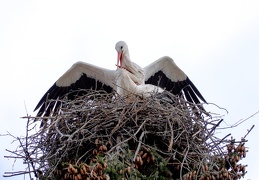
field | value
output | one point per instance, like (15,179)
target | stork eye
(121,47)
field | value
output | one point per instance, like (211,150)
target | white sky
(215,43)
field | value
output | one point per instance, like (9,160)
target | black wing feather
(56,92)
(185,87)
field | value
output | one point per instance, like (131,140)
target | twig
(172,136)
(139,145)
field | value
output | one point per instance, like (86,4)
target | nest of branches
(102,136)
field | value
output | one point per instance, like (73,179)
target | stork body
(128,78)
(125,85)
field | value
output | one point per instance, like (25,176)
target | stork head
(123,52)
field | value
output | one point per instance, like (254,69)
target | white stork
(128,78)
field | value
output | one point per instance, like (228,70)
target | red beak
(119,59)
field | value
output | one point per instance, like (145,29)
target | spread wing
(166,74)
(80,76)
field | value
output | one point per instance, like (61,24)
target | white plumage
(125,85)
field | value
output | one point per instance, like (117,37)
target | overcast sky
(215,44)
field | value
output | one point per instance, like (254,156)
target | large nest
(102,136)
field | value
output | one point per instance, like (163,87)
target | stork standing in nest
(162,74)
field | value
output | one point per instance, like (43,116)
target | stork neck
(126,60)
(126,69)
(126,54)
